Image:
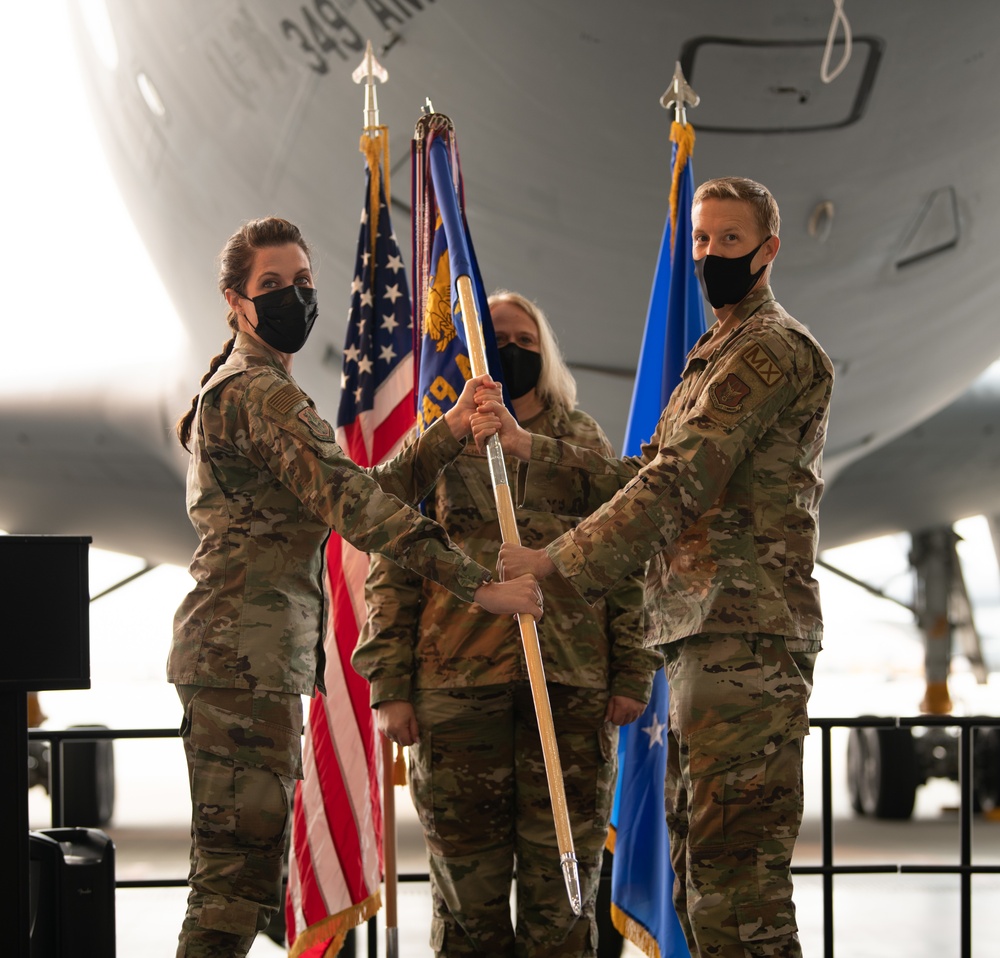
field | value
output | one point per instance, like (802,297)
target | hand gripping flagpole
(447,201)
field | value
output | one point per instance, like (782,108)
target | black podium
(44,644)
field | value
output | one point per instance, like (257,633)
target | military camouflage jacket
(723,499)
(265,484)
(419,636)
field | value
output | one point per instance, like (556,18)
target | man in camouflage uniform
(477,772)
(266,483)
(722,502)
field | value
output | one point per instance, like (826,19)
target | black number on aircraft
(324,28)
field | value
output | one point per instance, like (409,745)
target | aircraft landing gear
(986,769)
(882,772)
(885,766)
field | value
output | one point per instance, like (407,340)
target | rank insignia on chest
(728,395)
(318,426)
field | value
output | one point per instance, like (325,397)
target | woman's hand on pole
(494,418)
(517,596)
(458,417)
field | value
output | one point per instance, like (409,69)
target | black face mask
(521,369)
(726,281)
(285,317)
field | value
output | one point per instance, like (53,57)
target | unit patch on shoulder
(728,395)
(285,398)
(762,363)
(318,426)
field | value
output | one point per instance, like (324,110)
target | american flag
(335,864)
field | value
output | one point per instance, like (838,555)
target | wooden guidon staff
(447,201)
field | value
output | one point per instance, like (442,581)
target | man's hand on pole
(494,418)
(520,560)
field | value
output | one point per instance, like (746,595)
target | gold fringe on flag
(375,146)
(683,136)
(334,928)
(634,932)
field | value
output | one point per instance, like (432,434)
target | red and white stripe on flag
(335,863)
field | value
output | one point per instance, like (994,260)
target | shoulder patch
(318,426)
(762,363)
(285,398)
(728,395)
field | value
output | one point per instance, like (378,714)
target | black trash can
(72,893)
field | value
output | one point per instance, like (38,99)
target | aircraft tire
(986,768)
(882,769)
(88,782)
(855,756)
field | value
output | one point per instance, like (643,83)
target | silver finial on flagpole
(679,96)
(368,72)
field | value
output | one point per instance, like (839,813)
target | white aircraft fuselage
(215,112)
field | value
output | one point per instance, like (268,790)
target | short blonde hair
(759,198)
(556,385)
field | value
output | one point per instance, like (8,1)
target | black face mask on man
(726,281)
(521,369)
(285,317)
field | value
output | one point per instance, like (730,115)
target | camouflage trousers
(734,789)
(244,753)
(479,786)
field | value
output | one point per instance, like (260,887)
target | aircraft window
(772,86)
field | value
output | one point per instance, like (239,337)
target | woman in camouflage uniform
(265,484)
(452,683)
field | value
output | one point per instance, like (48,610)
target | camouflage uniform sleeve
(386,651)
(568,479)
(739,401)
(410,475)
(631,666)
(284,433)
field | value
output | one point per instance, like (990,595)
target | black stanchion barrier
(966,869)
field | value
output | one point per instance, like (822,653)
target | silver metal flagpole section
(368,72)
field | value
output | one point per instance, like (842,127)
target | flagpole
(368,71)
(446,194)
(526,623)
